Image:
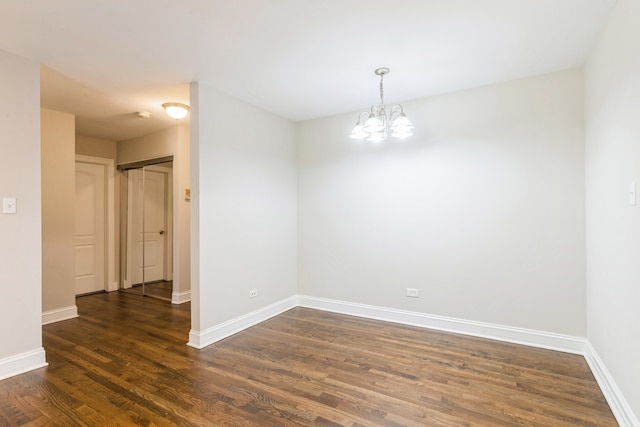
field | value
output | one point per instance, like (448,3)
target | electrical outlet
(253,293)
(413,292)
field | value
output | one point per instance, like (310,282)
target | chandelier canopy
(378,126)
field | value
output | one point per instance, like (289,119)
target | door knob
(161,231)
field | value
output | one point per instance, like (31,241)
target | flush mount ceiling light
(176,110)
(378,125)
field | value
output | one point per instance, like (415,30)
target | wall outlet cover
(413,292)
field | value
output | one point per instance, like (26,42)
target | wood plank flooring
(124,362)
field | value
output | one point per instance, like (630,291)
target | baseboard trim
(21,363)
(180,297)
(201,339)
(540,339)
(59,314)
(618,404)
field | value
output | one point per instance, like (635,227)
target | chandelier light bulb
(401,134)
(401,122)
(401,127)
(377,137)
(373,124)
(358,132)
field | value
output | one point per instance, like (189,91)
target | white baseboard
(59,314)
(201,339)
(540,339)
(618,404)
(180,297)
(21,363)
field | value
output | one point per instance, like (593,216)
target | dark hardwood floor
(125,362)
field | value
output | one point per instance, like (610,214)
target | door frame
(109,169)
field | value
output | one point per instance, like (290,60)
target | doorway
(147,231)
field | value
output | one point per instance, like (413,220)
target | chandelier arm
(397,110)
(360,116)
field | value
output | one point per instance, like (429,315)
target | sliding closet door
(148,230)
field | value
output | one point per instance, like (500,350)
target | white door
(147,233)
(90,228)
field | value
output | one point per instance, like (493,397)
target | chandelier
(378,125)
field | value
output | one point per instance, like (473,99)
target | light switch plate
(9,205)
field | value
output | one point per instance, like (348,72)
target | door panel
(154,224)
(148,225)
(90,228)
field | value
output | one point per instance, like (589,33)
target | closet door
(147,225)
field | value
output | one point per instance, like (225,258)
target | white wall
(612,82)
(244,208)
(21,249)
(482,209)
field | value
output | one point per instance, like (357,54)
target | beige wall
(58,210)
(151,146)
(173,141)
(21,248)
(96,147)
(182,212)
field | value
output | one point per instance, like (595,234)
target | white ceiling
(300,59)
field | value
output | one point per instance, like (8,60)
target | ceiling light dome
(176,110)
